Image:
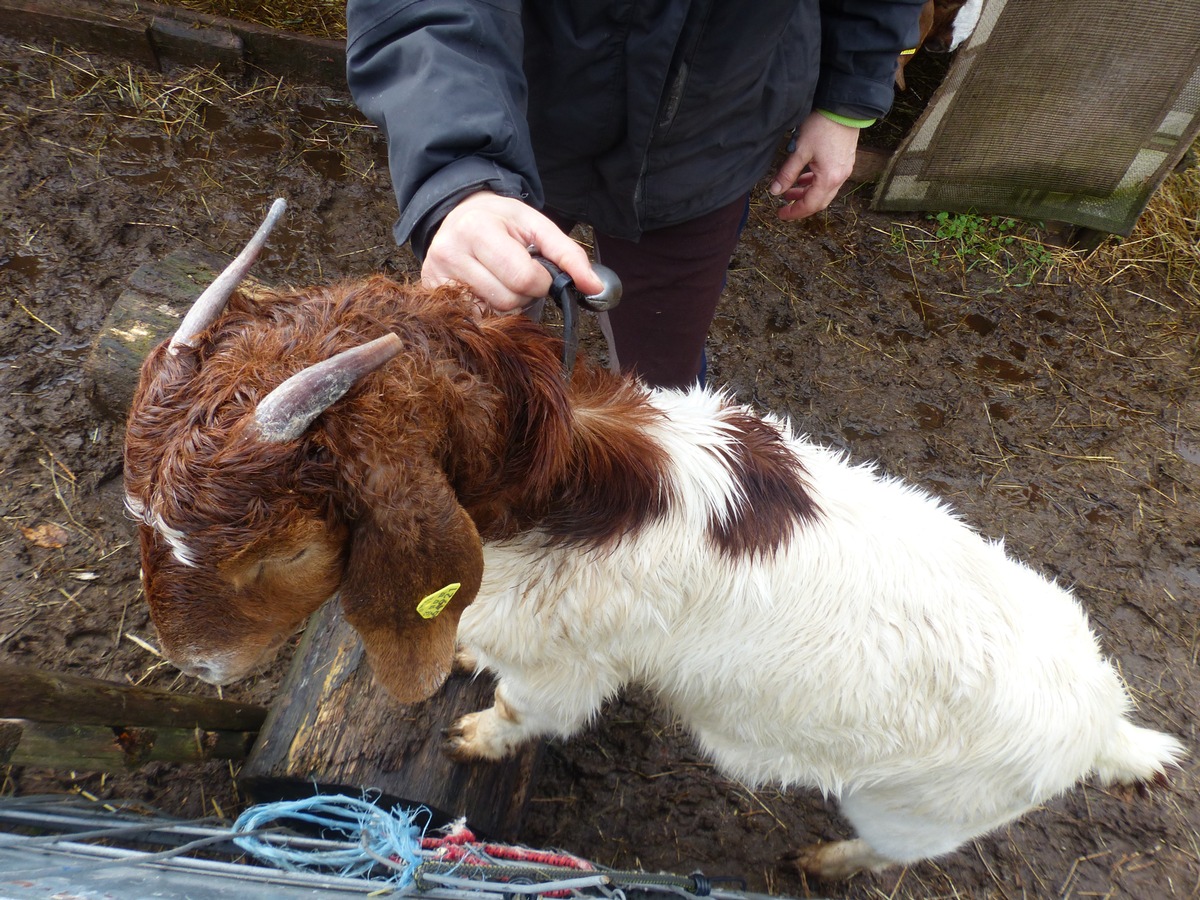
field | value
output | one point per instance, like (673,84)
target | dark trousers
(672,279)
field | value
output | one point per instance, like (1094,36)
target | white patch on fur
(135,507)
(173,536)
(699,444)
(965,22)
(213,667)
(886,654)
(179,548)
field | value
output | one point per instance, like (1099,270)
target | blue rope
(376,832)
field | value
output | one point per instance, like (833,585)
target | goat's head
(255,508)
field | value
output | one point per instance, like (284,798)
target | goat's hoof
(837,860)
(462,741)
(455,743)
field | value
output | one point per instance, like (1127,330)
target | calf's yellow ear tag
(436,602)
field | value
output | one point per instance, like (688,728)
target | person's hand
(484,243)
(810,177)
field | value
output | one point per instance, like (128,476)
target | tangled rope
(374,836)
(373,841)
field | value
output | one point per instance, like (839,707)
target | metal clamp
(563,285)
(569,298)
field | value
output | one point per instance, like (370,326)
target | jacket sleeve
(443,80)
(861,41)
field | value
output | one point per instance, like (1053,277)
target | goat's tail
(1138,756)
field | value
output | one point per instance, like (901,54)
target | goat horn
(210,303)
(286,412)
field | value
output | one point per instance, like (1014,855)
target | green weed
(967,241)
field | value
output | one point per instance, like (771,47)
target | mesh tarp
(1064,110)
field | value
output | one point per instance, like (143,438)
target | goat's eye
(299,555)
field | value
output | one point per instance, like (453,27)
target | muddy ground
(1062,414)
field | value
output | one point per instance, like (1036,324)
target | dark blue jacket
(627,115)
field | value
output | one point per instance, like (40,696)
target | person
(650,120)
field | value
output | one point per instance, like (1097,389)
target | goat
(942,27)
(953,22)
(812,622)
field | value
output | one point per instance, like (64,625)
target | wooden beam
(869,164)
(106,749)
(333,725)
(160,36)
(27,693)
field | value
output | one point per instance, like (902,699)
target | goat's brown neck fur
(487,399)
(469,433)
(484,397)
(579,464)
(524,449)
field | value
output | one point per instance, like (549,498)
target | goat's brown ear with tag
(413,568)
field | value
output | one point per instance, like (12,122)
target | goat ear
(398,590)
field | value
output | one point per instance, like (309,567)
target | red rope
(459,844)
(483,854)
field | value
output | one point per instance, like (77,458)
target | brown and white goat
(810,621)
(942,27)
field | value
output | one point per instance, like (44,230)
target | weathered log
(334,726)
(156,297)
(148,310)
(27,693)
(160,36)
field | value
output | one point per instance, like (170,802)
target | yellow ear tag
(436,602)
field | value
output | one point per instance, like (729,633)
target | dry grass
(1165,244)
(176,102)
(1166,238)
(171,103)
(321,18)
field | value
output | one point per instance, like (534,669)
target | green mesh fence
(1062,110)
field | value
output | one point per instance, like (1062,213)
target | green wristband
(846,120)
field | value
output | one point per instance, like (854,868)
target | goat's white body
(885,654)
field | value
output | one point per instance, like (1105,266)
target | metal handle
(610,294)
(608,297)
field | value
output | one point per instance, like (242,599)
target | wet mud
(1059,411)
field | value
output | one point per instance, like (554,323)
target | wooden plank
(274,51)
(86,26)
(295,56)
(27,693)
(157,34)
(1090,140)
(334,726)
(55,745)
(194,44)
(869,164)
